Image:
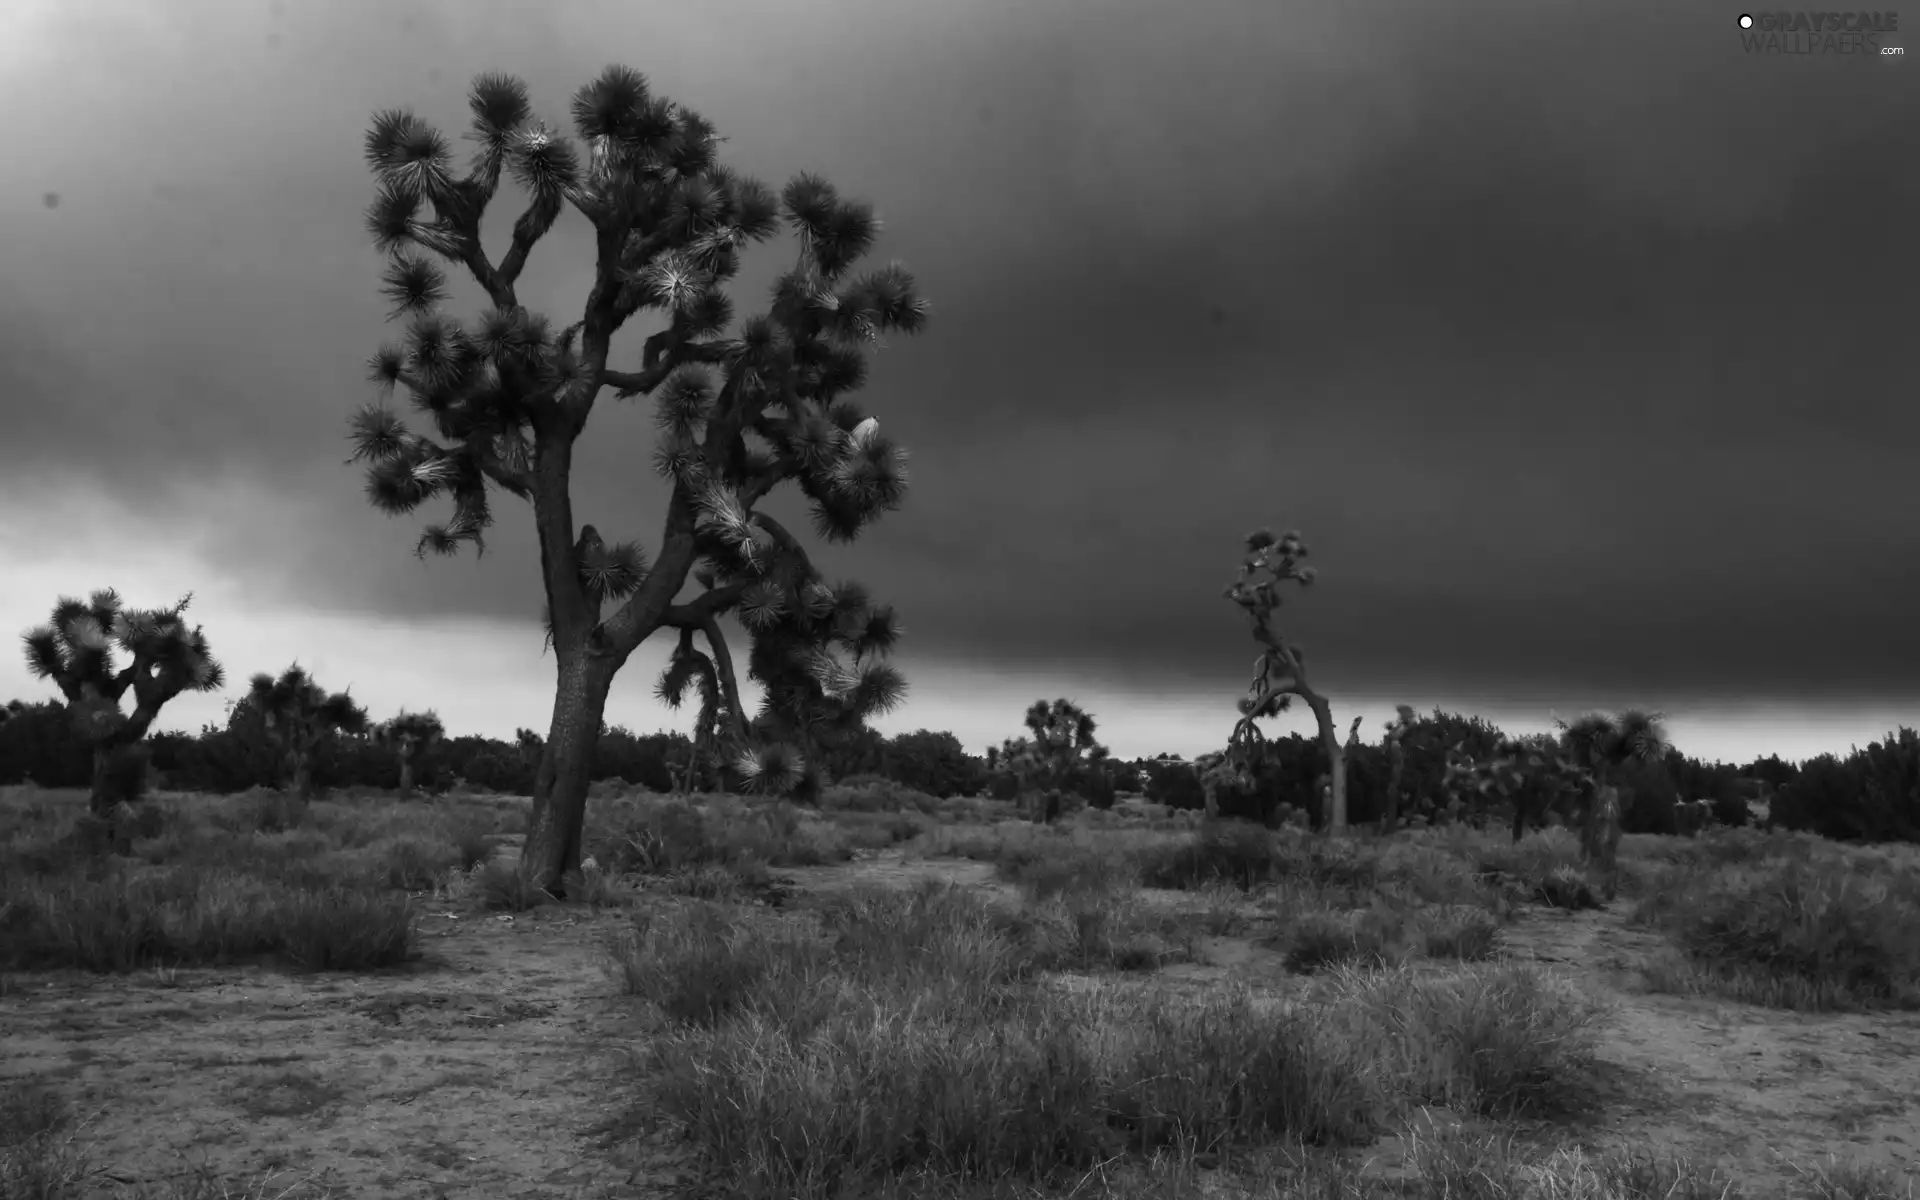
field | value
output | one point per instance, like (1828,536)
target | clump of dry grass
(886,1033)
(1797,929)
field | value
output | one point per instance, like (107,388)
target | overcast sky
(1575,340)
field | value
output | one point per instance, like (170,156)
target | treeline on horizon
(1871,793)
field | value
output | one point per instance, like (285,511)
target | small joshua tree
(743,407)
(530,745)
(1602,745)
(1061,746)
(409,733)
(1280,671)
(75,650)
(1396,737)
(299,716)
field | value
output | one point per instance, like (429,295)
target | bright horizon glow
(490,677)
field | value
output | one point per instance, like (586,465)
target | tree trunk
(1336,761)
(1600,836)
(115,815)
(98,802)
(1391,818)
(560,786)
(302,773)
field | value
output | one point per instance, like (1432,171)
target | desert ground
(909,996)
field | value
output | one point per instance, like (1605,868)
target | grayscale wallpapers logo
(1865,34)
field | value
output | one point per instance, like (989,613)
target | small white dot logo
(1746,22)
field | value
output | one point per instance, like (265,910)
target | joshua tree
(1603,744)
(299,715)
(1395,741)
(510,396)
(408,734)
(530,745)
(1280,671)
(1061,746)
(75,650)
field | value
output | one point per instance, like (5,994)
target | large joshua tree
(75,650)
(742,408)
(299,714)
(1280,672)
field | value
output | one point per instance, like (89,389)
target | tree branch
(645,610)
(662,360)
(499,288)
(526,231)
(729,685)
(788,543)
(757,488)
(695,613)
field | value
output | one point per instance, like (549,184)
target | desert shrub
(905,1034)
(1812,933)
(343,929)
(699,964)
(416,864)
(39,742)
(497,885)
(177,915)
(874,794)
(657,835)
(1503,1040)
(1389,934)
(1227,851)
(1042,871)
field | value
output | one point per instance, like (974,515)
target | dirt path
(1735,1083)
(477,1072)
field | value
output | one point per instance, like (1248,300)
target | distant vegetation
(1870,794)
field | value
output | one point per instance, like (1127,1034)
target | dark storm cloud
(1570,335)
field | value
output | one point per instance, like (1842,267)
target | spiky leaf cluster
(771,768)
(690,668)
(298,712)
(670,218)
(1269,562)
(818,651)
(789,376)
(1602,742)
(75,649)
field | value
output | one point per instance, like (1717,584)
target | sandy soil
(488,1068)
